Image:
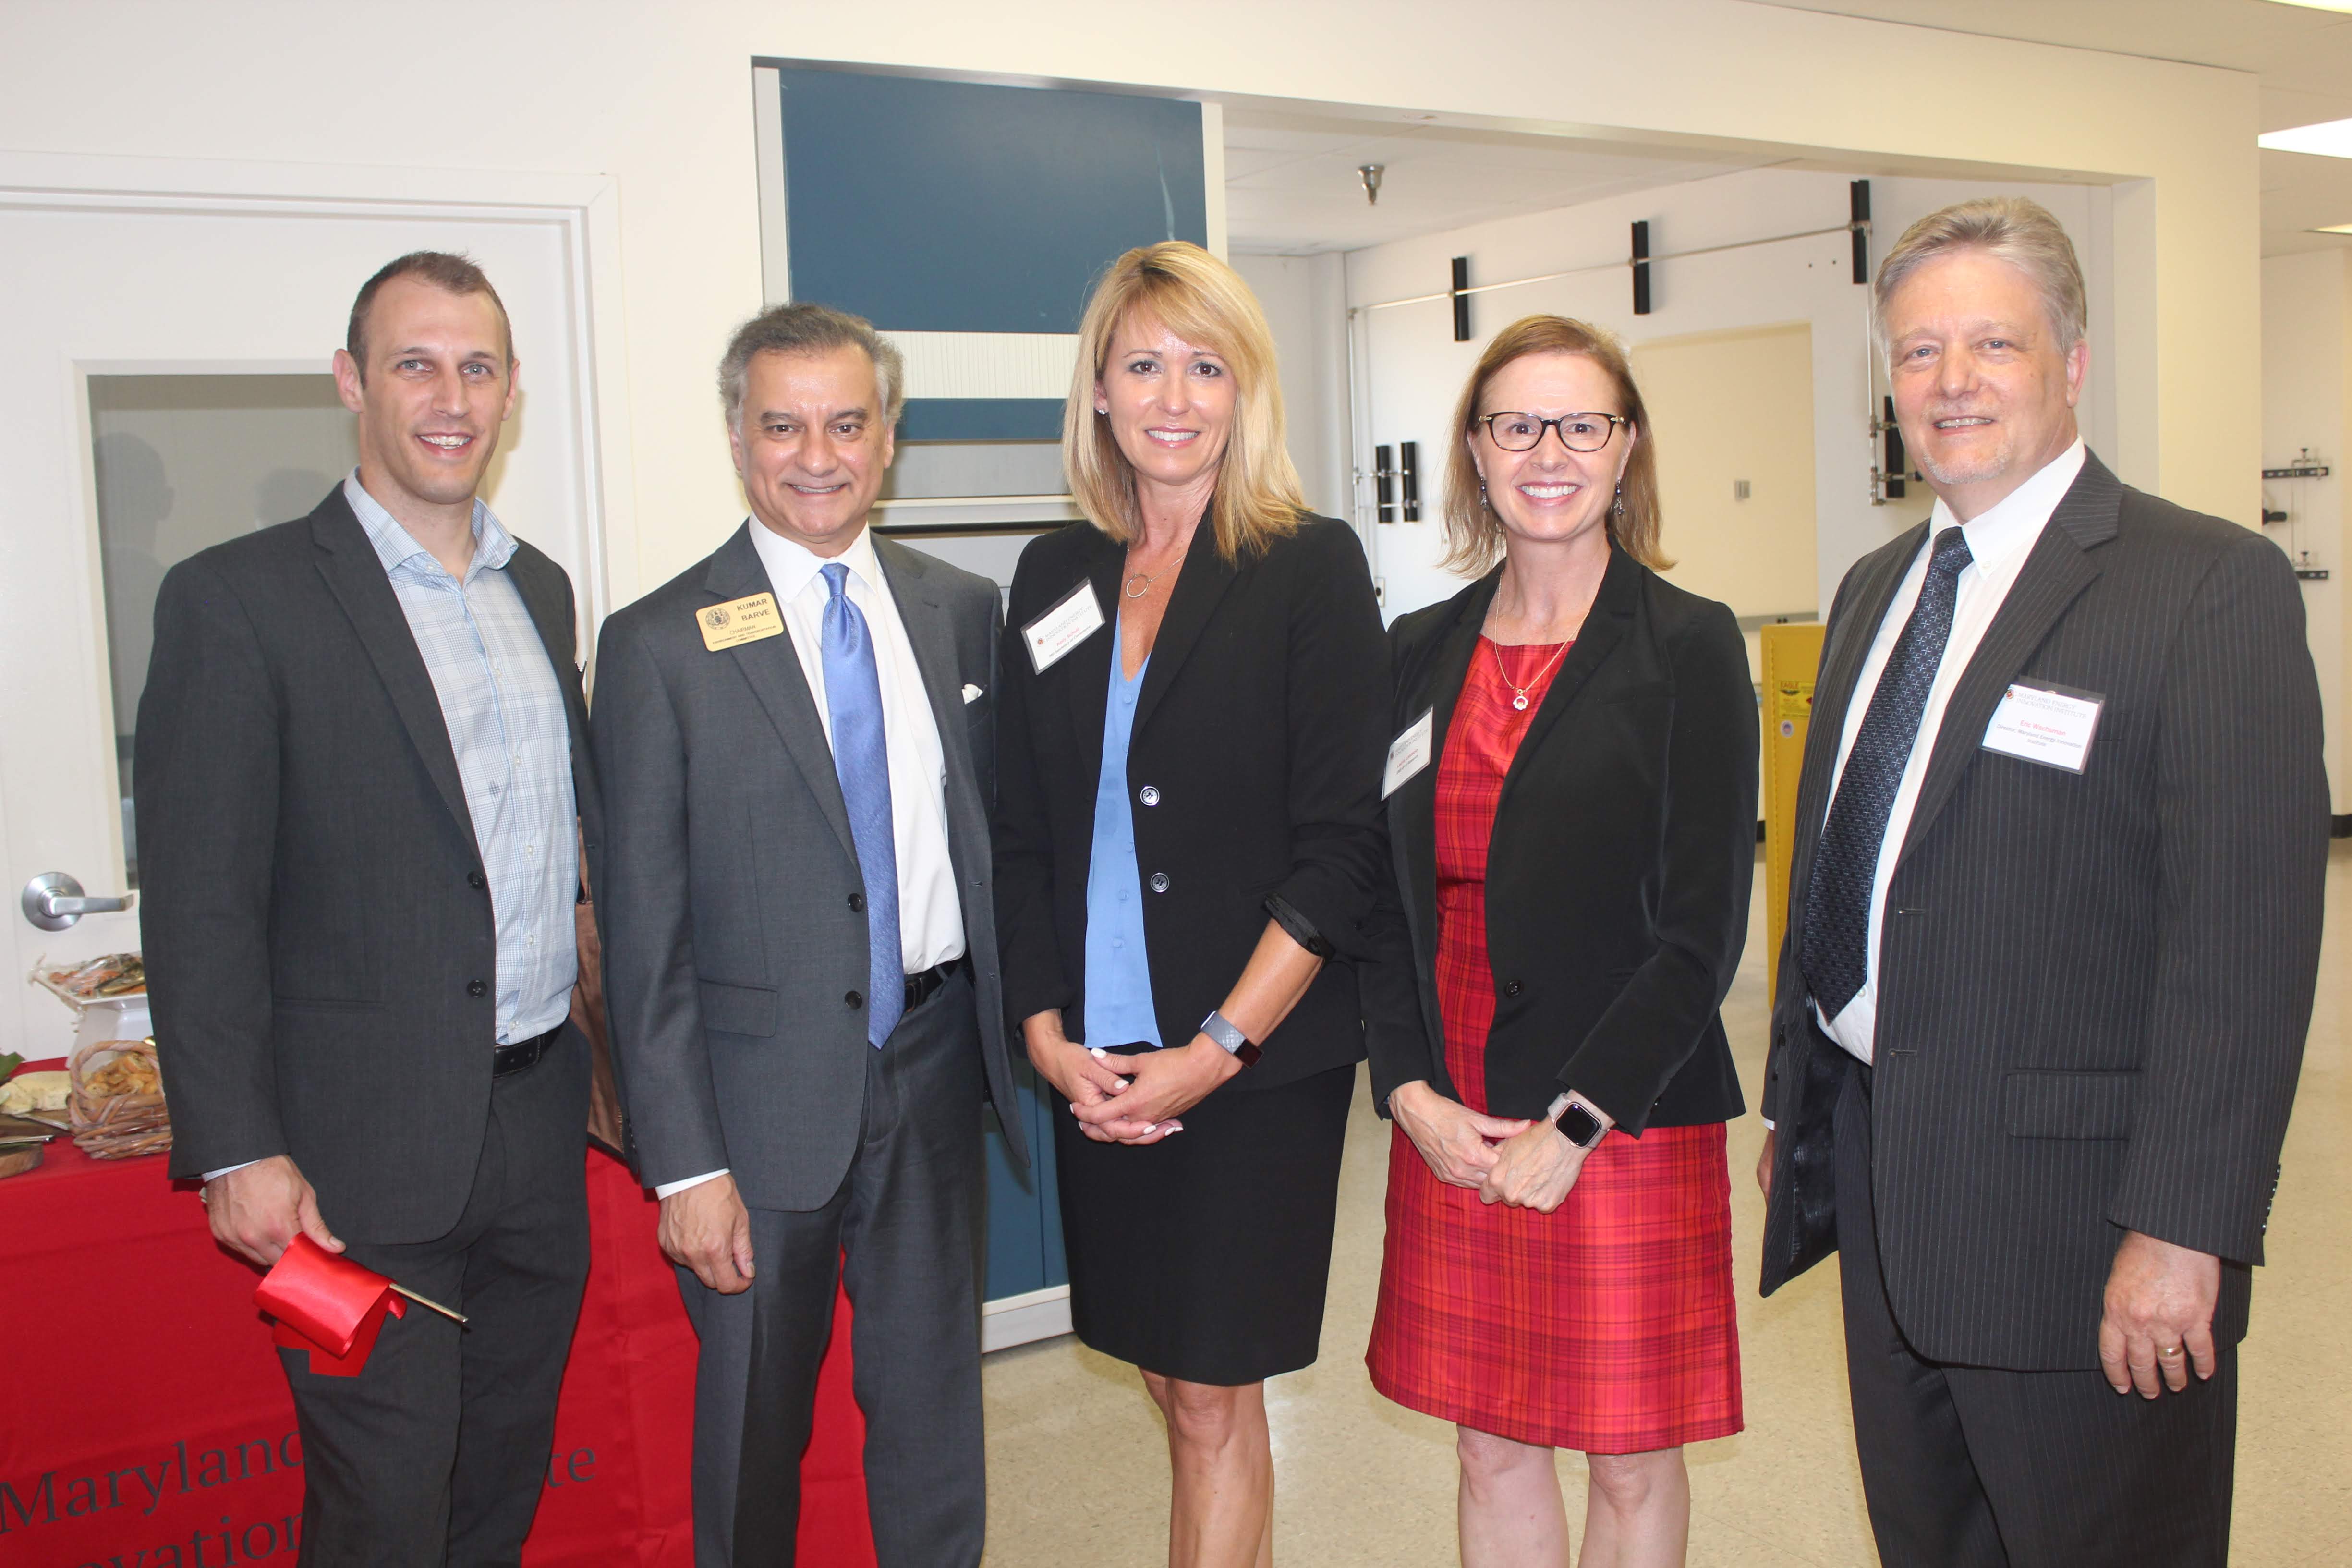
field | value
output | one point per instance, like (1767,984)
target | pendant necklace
(1519,693)
(1130,589)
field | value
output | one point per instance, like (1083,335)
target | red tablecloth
(145,1411)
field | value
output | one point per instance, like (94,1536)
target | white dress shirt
(1999,543)
(930,915)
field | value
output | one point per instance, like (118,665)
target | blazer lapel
(773,669)
(355,574)
(1200,586)
(1084,673)
(557,635)
(1436,685)
(1603,629)
(2053,576)
(931,632)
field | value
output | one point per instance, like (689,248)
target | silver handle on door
(54,901)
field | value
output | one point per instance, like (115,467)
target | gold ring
(2169,1349)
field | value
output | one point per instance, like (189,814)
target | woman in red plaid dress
(1571,808)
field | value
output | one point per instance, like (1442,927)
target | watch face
(1580,1127)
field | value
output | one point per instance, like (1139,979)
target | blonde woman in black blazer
(1567,903)
(1194,699)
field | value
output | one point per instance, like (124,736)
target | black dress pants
(905,1225)
(1981,1467)
(437,1451)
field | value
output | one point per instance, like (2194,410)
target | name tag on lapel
(2051,725)
(739,621)
(1409,752)
(1076,616)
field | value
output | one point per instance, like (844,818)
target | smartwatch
(1580,1127)
(1236,1044)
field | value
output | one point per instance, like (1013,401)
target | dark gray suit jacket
(2092,988)
(314,907)
(732,902)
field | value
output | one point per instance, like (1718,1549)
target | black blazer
(1621,854)
(1258,734)
(2093,987)
(315,911)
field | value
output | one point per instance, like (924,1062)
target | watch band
(1236,1044)
(1580,1127)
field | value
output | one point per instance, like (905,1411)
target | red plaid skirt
(1606,1326)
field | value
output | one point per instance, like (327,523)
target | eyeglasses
(1578,432)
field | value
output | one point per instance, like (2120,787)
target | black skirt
(1205,1256)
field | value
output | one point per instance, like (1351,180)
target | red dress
(1606,1326)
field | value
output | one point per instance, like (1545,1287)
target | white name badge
(1408,754)
(1077,616)
(2051,725)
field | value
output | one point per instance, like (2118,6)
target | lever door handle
(54,901)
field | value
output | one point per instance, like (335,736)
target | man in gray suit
(2058,871)
(800,953)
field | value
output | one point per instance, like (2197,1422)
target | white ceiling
(2303,55)
(1291,186)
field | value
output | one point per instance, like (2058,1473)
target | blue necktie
(861,757)
(1834,951)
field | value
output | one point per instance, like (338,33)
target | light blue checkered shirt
(505,713)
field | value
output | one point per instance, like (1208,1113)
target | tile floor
(1077,1466)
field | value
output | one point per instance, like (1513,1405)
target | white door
(161,389)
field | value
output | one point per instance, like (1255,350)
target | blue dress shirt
(1119,977)
(504,709)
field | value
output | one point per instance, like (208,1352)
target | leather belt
(921,988)
(523,1055)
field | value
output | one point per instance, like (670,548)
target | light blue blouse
(1118,978)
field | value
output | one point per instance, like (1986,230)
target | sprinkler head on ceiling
(1371,173)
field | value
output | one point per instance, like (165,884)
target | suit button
(858,902)
(1149,794)
(855,999)
(1159,881)
(477,988)
(473,880)
(1512,988)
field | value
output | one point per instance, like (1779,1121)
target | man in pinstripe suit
(2058,874)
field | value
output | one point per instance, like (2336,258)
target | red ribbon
(327,1305)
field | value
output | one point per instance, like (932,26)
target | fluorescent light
(2317,5)
(2335,228)
(2330,139)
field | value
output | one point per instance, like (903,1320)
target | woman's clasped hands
(1506,1160)
(1122,1097)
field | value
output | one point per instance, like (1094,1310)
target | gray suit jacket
(319,940)
(732,903)
(2093,987)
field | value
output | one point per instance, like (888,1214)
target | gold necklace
(1519,699)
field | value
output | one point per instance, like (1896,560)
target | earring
(1483,505)
(1617,507)
(1101,409)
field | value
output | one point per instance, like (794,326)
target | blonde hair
(1474,534)
(2019,231)
(1205,302)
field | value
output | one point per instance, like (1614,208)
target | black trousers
(908,1218)
(1981,1467)
(437,1452)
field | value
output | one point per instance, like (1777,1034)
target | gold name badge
(739,621)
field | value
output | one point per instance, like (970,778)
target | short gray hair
(2019,231)
(808,329)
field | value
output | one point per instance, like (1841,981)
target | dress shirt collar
(791,566)
(2002,530)
(395,546)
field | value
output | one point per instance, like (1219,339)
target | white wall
(658,97)
(1304,298)
(2308,402)
(1414,370)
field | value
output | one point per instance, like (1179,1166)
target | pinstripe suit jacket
(2092,988)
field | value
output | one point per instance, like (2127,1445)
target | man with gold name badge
(800,953)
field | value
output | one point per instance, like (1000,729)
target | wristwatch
(1238,1046)
(1580,1127)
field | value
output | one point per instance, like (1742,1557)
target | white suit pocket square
(971,693)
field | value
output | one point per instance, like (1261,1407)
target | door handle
(54,901)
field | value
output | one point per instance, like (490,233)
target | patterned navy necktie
(861,759)
(1834,948)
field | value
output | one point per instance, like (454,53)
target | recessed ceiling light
(2329,139)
